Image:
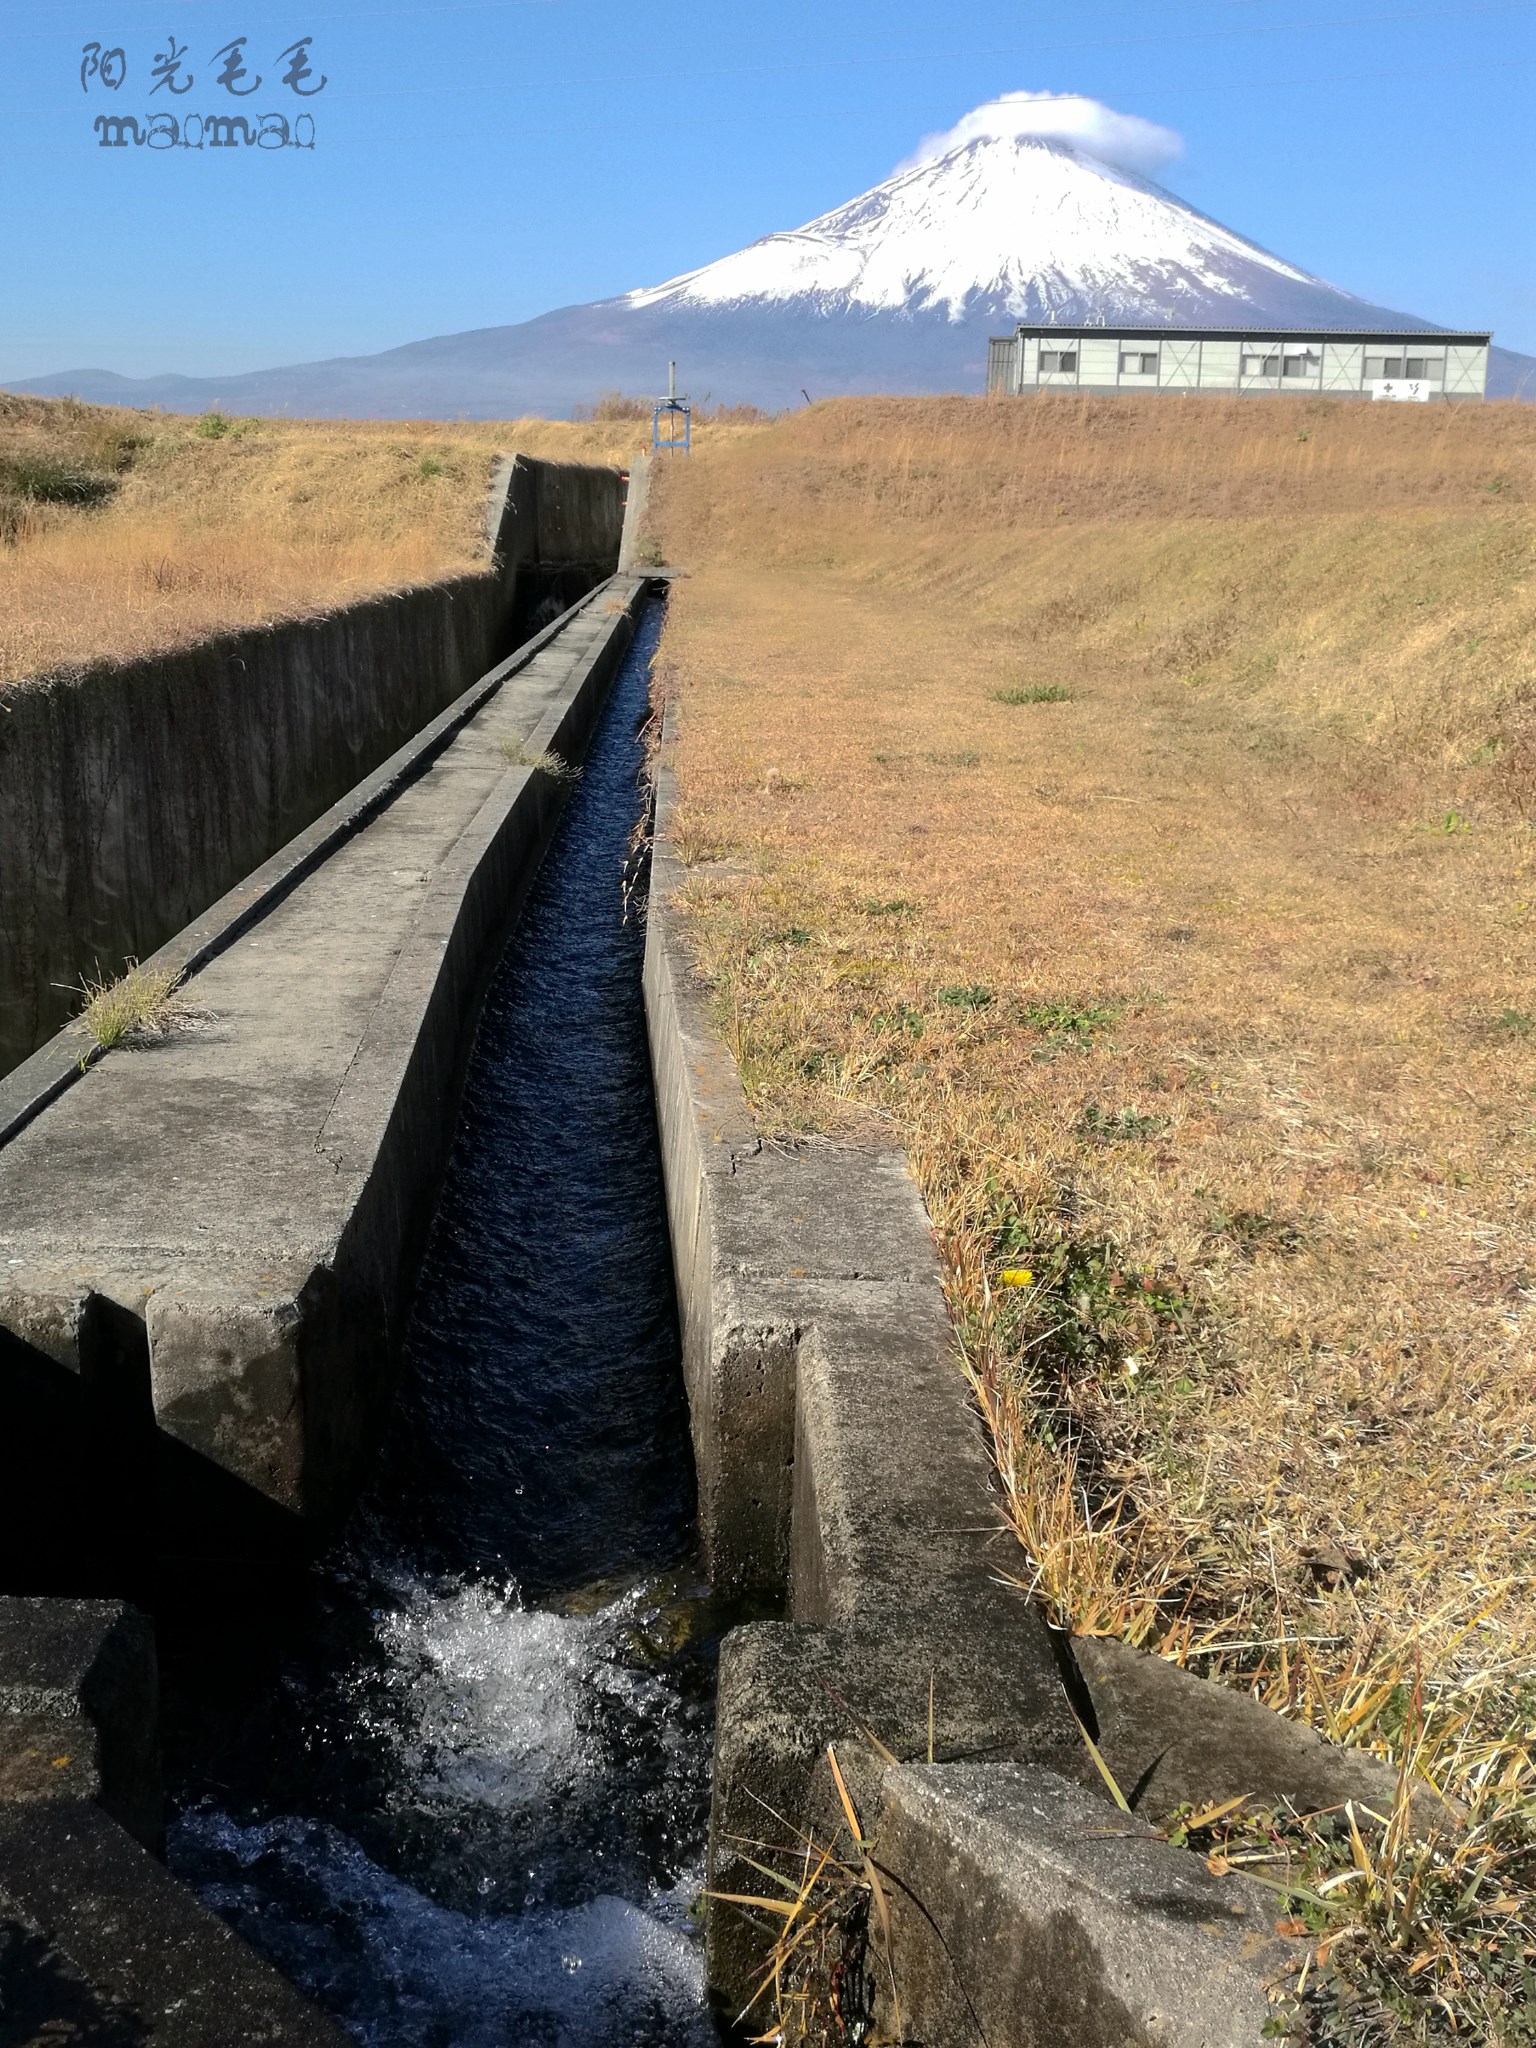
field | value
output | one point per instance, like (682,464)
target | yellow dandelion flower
(1017,1276)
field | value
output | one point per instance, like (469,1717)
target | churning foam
(490,1719)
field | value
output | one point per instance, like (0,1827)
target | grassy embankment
(122,532)
(1127,806)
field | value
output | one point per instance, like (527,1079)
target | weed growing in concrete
(560,771)
(137,1005)
(1037,693)
(820,1980)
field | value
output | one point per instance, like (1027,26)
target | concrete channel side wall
(842,1471)
(635,501)
(134,794)
(208,1247)
(393,1120)
(553,527)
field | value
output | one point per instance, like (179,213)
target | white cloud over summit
(1124,140)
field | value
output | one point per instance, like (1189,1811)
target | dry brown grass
(1201,1000)
(122,532)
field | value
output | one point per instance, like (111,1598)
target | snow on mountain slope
(1029,226)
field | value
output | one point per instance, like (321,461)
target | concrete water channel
(453,1778)
(471,1805)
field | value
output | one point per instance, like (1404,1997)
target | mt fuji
(896,291)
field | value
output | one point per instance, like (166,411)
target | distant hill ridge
(896,291)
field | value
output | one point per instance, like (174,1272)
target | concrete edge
(1025,1912)
(95,1930)
(634,508)
(117,1949)
(40,1079)
(79,1709)
(841,1469)
(396,1111)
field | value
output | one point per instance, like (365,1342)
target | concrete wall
(132,795)
(554,528)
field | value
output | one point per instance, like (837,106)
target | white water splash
(489,1703)
(502,1731)
(413,1974)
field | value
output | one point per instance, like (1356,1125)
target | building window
(1135,362)
(1256,365)
(1301,365)
(1054,360)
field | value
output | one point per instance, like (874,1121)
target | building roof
(1109,327)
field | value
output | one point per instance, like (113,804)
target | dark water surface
(470,1810)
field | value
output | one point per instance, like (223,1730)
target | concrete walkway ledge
(208,1243)
(844,1476)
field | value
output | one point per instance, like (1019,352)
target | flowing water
(469,1806)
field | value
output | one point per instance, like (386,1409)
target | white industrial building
(1336,362)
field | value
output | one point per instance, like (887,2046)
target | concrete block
(896,1516)
(1029,1914)
(787,1690)
(100,1944)
(226,1381)
(1172,1738)
(79,1709)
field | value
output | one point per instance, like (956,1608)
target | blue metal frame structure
(674,409)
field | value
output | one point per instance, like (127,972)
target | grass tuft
(136,1005)
(819,1986)
(1036,693)
(518,755)
(46,480)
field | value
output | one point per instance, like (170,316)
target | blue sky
(480,162)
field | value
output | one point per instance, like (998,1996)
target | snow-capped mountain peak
(1021,226)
